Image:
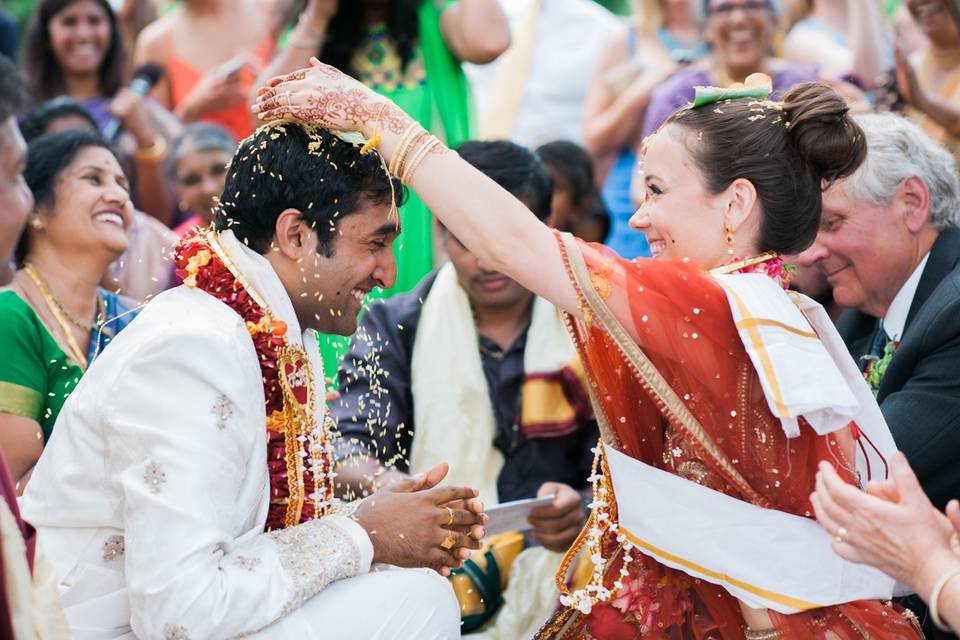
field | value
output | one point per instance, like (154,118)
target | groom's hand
(414,523)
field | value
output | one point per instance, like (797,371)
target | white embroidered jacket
(152,494)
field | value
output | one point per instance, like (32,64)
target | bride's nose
(640,220)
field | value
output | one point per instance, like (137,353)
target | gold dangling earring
(729,240)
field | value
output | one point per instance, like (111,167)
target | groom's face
(332,289)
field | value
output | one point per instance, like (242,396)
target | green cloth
(433,89)
(619,7)
(36,376)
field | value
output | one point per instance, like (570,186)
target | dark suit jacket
(920,391)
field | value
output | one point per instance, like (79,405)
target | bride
(717,392)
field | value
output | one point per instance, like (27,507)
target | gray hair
(201,136)
(898,149)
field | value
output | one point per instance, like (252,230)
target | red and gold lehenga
(679,317)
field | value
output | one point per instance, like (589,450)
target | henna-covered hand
(326,96)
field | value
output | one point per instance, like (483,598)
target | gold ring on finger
(447,543)
(449,516)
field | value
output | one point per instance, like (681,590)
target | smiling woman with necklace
(55,319)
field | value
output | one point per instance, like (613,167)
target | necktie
(880,340)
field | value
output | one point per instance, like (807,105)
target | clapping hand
(414,523)
(891,526)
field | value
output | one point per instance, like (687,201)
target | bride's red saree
(680,319)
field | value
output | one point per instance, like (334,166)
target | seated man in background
(473,369)
(890,247)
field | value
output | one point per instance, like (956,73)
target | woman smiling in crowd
(74,48)
(55,317)
(740,33)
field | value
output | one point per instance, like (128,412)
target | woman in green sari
(54,316)
(409,51)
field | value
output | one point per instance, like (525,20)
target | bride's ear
(741,204)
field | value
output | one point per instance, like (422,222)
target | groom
(187,490)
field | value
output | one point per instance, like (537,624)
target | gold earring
(729,240)
(35,223)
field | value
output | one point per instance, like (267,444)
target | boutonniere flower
(877,365)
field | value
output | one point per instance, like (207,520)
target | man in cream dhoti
(472,368)
(162,506)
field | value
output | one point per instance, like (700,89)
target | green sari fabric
(434,90)
(36,376)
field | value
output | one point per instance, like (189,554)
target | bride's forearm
(502,232)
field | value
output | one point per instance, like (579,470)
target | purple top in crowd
(678,90)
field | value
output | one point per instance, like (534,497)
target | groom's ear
(294,235)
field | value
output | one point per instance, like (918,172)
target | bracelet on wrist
(933,600)
(761,634)
(154,152)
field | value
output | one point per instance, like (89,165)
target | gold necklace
(42,285)
(58,313)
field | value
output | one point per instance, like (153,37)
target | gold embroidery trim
(773,596)
(297,424)
(751,322)
(757,341)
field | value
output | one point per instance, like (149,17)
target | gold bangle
(761,634)
(408,153)
(405,152)
(399,149)
(415,150)
(418,157)
(154,152)
(413,131)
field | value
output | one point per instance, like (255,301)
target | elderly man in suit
(890,247)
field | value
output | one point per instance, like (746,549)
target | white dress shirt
(895,319)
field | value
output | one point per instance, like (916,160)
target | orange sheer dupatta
(711,425)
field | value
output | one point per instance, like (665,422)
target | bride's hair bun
(789,150)
(829,141)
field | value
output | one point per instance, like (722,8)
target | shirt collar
(257,271)
(896,317)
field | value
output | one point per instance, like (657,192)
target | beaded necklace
(298,450)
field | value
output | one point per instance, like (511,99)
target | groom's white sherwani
(152,494)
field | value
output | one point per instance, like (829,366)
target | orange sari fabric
(680,318)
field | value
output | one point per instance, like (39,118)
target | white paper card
(512,516)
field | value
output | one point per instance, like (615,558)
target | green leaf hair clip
(756,85)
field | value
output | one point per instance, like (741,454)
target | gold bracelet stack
(761,634)
(409,135)
(427,143)
(415,143)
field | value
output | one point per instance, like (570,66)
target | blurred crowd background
(168,85)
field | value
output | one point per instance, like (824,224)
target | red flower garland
(199,265)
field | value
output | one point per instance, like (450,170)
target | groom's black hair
(294,165)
